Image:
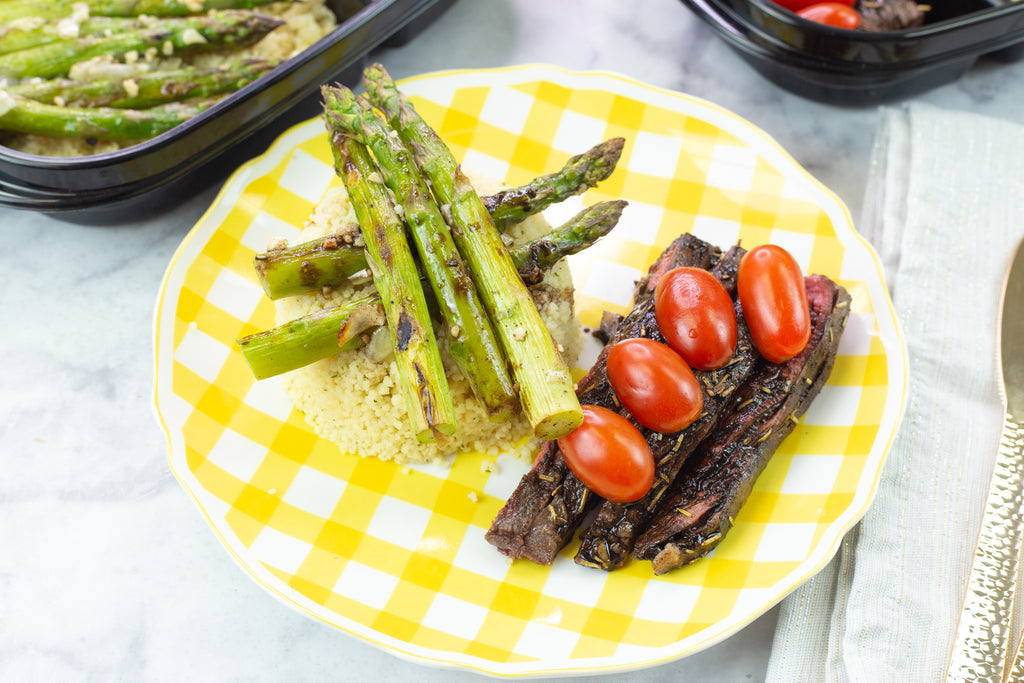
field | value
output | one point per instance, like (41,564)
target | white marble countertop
(107,569)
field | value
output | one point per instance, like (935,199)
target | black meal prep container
(150,177)
(844,67)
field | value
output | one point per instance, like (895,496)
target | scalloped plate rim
(819,556)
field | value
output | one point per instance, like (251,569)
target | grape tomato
(609,455)
(832,14)
(654,384)
(773,299)
(695,313)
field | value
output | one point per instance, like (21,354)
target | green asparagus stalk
(57,9)
(314,265)
(330,261)
(148,89)
(472,341)
(23,115)
(309,266)
(216,30)
(579,174)
(546,389)
(514,205)
(301,343)
(533,259)
(32,31)
(427,395)
(311,338)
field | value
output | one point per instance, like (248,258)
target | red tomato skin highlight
(832,14)
(773,298)
(654,384)
(797,5)
(609,455)
(695,313)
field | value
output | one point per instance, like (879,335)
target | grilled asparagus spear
(311,338)
(330,261)
(472,340)
(57,9)
(308,266)
(32,31)
(148,89)
(23,115)
(327,263)
(545,384)
(512,206)
(216,30)
(427,395)
(534,258)
(579,174)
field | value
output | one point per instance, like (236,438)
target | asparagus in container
(80,78)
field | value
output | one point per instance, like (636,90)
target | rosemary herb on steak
(715,483)
(608,541)
(549,503)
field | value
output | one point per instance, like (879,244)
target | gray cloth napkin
(944,208)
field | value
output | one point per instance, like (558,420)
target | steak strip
(890,15)
(694,518)
(549,503)
(608,541)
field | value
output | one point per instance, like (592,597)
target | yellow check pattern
(396,555)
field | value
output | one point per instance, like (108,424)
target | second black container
(860,67)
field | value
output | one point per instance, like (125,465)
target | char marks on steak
(608,541)
(606,329)
(716,481)
(549,503)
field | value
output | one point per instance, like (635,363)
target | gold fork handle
(1015,669)
(983,632)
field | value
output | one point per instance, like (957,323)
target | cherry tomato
(655,384)
(696,316)
(774,302)
(832,14)
(609,455)
(797,5)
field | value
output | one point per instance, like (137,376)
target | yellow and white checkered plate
(396,555)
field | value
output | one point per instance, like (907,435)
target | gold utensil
(983,633)
(1015,668)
